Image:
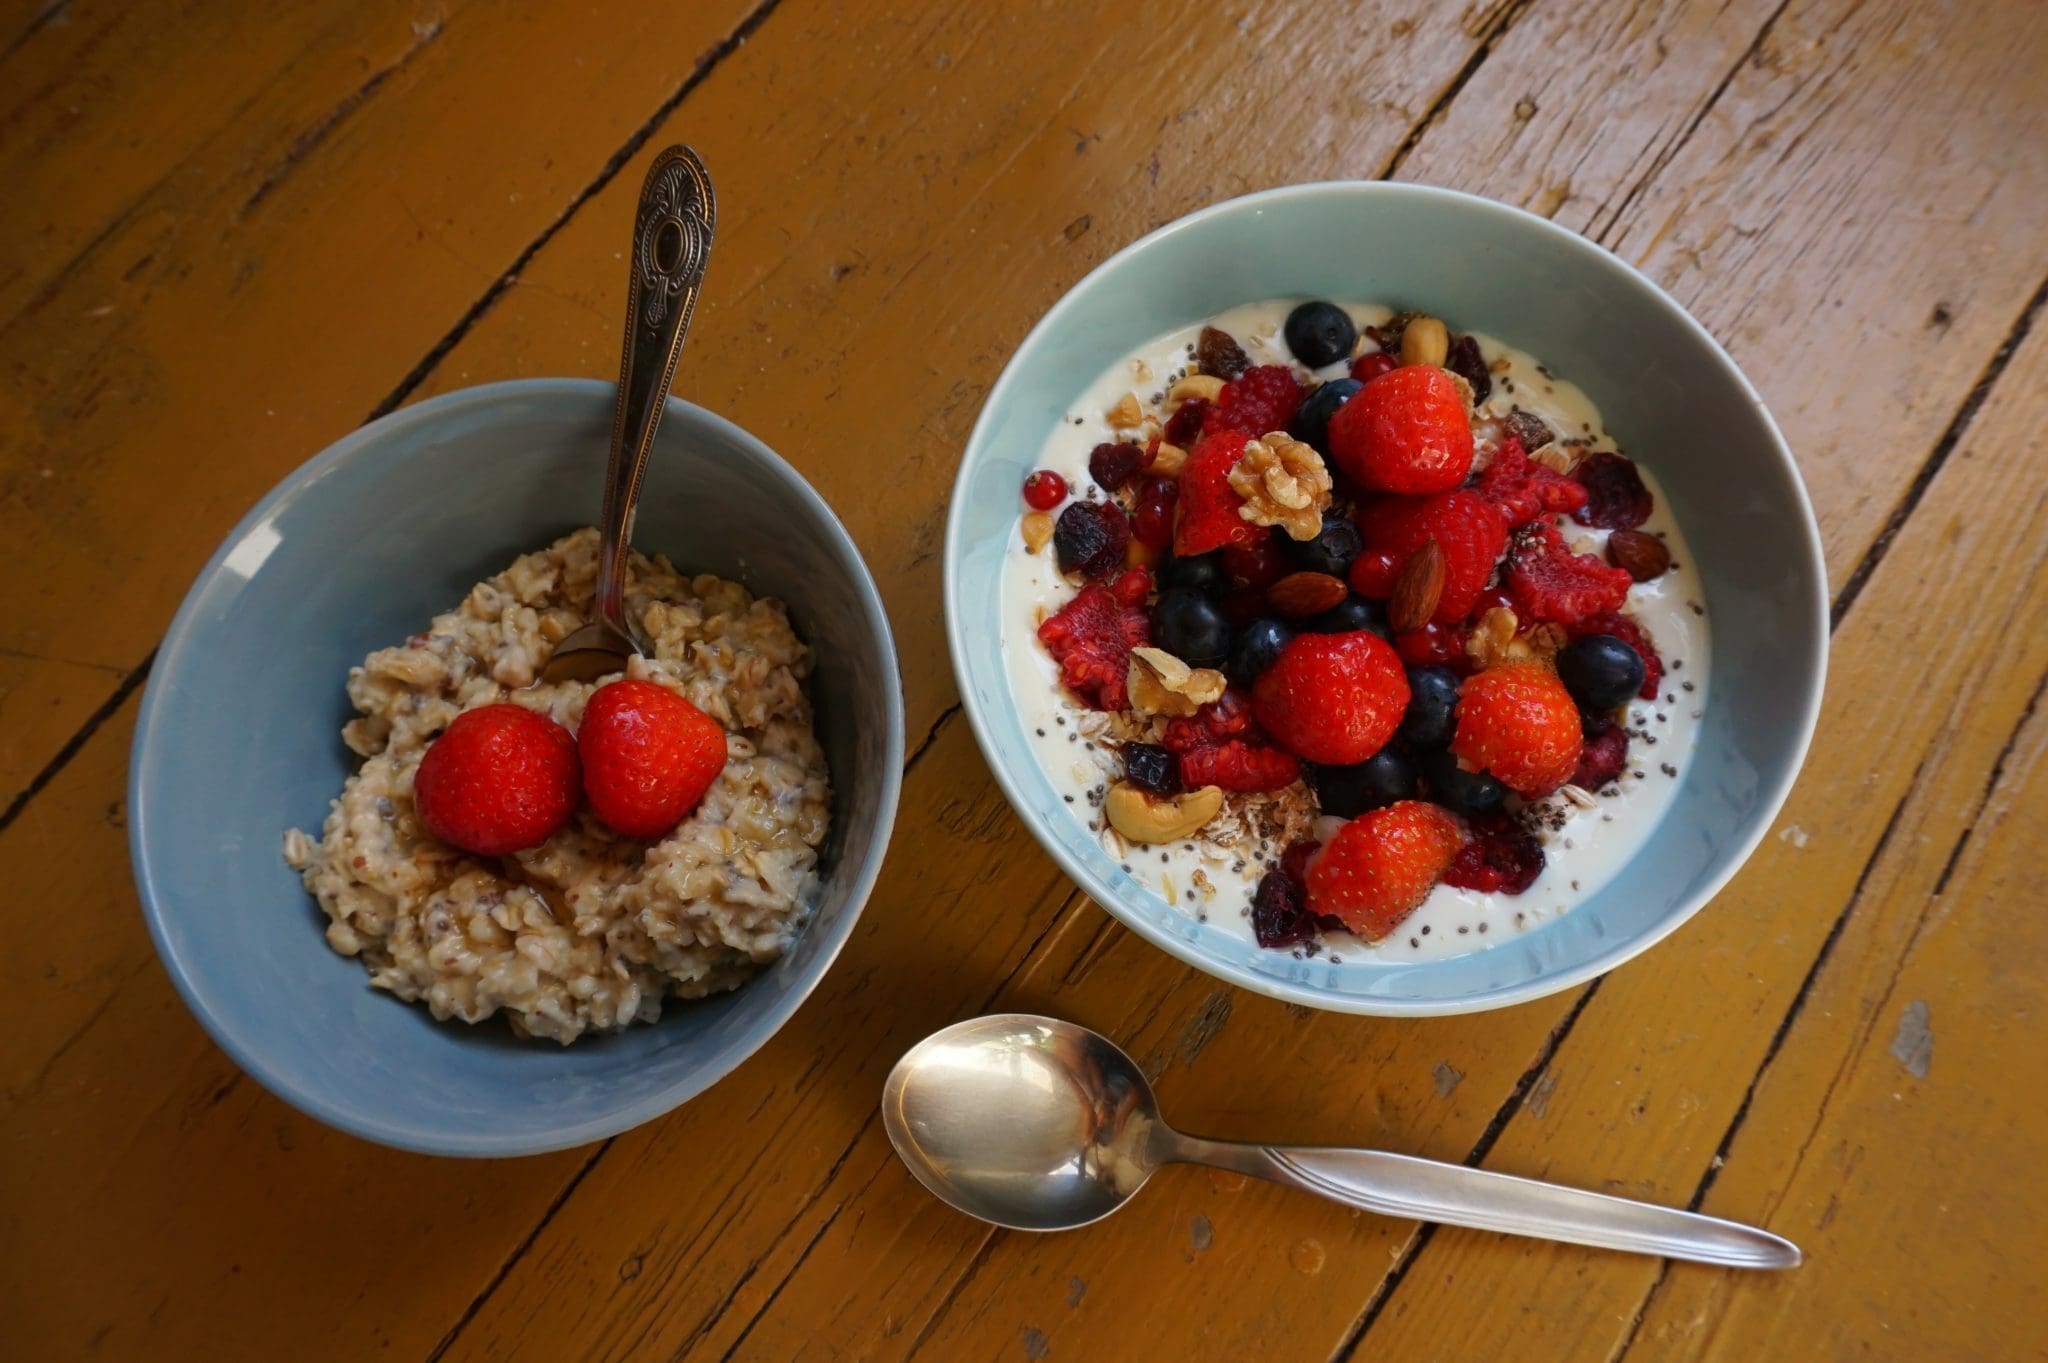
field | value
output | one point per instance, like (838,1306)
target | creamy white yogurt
(1584,849)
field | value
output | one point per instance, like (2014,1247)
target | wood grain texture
(277,275)
(1848,194)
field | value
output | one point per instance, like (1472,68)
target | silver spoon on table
(672,230)
(1038,1124)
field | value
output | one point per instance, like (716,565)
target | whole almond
(1304,594)
(1418,589)
(1643,556)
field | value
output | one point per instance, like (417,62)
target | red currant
(1152,517)
(1433,643)
(1044,489)
(1372,364)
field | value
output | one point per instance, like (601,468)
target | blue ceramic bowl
(239,739)
(1669,394)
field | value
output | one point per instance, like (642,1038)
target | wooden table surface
(229,237)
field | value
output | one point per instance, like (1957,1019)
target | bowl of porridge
(1385,600)
(412,581)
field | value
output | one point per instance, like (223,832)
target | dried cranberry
(1616,497)
(1502,858)
(1532,430)
(1184,427)
(1467,363)
(1280,916)
(1217,353)
(1258,564)
(1152,517)
(1113,465)
(1151,768)
(1089,539)
(1294,861)
(1604,757)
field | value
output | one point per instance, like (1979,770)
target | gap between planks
(1496,28)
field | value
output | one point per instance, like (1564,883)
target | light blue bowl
(238,739)
(1669,394)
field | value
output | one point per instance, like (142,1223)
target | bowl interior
(1669,395)
(239,740)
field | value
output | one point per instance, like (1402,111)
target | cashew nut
(1141,818)
(1425,340)
(1203,386)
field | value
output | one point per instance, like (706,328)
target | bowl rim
(1502,996)
(246,1049)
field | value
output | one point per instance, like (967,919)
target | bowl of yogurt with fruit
(1384,599)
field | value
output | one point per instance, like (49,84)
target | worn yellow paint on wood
(1842,194)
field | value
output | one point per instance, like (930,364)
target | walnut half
(1283,482)
(1161,684)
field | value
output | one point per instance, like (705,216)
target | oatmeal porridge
(589,931)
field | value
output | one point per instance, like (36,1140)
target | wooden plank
(201,329)
(1641,1093)
(86,145)
(1899,1133)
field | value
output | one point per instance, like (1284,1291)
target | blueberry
(1331,551)
(1465,792)
(1151,768)
(1348,792)
(1258,644)
(1203,572)
(1311,423)
(1352,613)
(1600,671)
(1191,627)
(1320,333)
(1432,708)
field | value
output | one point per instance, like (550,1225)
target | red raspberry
(1132,586)
(648,756)
(1406,431)
(1184,427)
(1152,517)
(1615,496)
(1625,628)
(1091,638)
(1228,716)
(1044,489)
(1381,866)
(1256,563)
(1238,765)
(1332,698)
(1518,722)
(1502,858)
(1372,364)
(1605,756)
(1525,490)
(1464,524)
(1260,400)
(1207,515)
(499,779)
(1549,582)
(1113,465)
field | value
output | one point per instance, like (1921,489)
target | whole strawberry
(1381,866)
(1518,722)
(1406,431)
(1332,698)
(501,778)
(648,757)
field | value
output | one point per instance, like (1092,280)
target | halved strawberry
(1205,516)
(1379,868)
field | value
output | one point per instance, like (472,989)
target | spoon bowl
(1037,1124)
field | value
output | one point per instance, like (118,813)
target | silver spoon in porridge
(672,230)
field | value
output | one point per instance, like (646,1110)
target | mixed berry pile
(1346,590)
